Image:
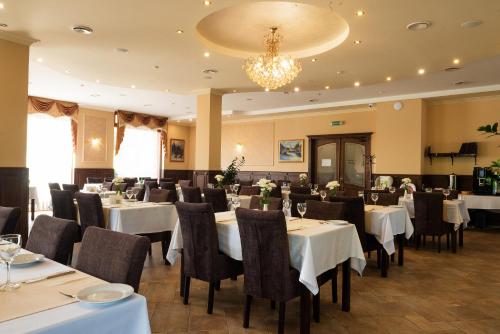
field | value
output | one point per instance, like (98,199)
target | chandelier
(272,70)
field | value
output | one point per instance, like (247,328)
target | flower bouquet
(408,187)
(266,186)
(302,179)
(333,186)
(220,179)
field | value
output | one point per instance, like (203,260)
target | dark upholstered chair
(301,198)
(53,237)
(300,190)
(453,193)
(172,196)
(140,193)
(63,205)
(90,209)
(384,198)
(249,190)
(158,195)
(71,187)
(217,198)
(185,183)
(9,218)
(94,179)
(166,179)
(113,256)
(148,185)
(429,217)
(324,210)
(130,181)
(119,187)
(275,203)
(54,185)
(201,256)
(245,183)
(108,185)
(276,192)
(191,194)
(266,259)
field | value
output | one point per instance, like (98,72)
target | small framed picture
(177,150)
(291,150)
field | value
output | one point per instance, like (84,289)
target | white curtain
(49,154)
(139,153)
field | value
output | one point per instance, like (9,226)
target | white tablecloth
(385,222)
(129,316)
(454,211)
(314,249)
(481,202)
(91,187)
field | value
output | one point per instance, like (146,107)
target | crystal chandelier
(272,70)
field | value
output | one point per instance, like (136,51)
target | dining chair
(185,183)
(94,179)
(274,203)
(217,198)
(172,196)
(191,194)
(166,179)
(268,273)
(107,184)
(113,256)
(429,217)
(130,181)
(63,205)
(9,217)
(158,195)
(71,187)
(249,190)
(300,190)
(53,237)
(140,193)
(245,183)
(122,187)
(90,210)
(301,198)
(201,256)
(54,185)
(384,198)
(276,192)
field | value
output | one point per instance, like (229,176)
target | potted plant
(266,186)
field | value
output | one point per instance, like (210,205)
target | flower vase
(265,207)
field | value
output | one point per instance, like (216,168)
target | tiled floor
(432,293)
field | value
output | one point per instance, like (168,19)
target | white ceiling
(149,32)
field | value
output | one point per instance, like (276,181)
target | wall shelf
(467,150)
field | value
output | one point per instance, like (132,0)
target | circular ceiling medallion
(239,31)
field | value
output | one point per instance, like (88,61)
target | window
(139,153)
(49,154)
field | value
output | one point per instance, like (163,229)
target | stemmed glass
(392,190)
(316,186)
(287,204)
(10,245)
(301,208)
(446,193)
(236,186)
(322,193)
(235,201)
(374,197)
(135,192)
(129,193)
(361,194)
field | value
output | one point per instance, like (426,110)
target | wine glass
(210,185)
(428,190)
(135,192)
(316,186)
(129,193)
(361,193)
(236,188)
(322,193)
(235,201)
(392,190)
(287,204)
(446,193)
(10,245)
(301,208)
(374,197)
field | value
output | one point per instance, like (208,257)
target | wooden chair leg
(439,244)
(211,289)
(305,312)
(273,305)
(335,296)
(416,240)
(150,251)
(423,241)
(378,259)
(316,301)
(187,283)
(281,318)
(182,276)
(246,311)
(217,286)
(393,257)
(369,254)
(447,241)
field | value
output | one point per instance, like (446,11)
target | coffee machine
(482,181)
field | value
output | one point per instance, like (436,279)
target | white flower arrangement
(407,185)
(219,177)
(333,185)
(118,180)
(266,185)
(406,180)
(302,176)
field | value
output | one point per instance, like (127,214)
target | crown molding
(14,38)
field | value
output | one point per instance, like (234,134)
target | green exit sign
(337,123)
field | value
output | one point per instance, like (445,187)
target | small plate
(27,258)
(105,293)
(337,222)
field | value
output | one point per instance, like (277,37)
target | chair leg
(246,311)
(369,254)
(187,283)
(150,251)
(424,237)
(273,305)
(392,257)
(439,244)
(182,276)
(281,318)
(316,301)
(378,258)
(447,241)
(416,241)
(217,285)
(211,289)
(335,296)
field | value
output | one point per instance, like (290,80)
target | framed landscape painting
(291,150)
(177,150)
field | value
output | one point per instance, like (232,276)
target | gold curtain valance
(56,109)
(124,118)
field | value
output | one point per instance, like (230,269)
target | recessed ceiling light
(327,87)
(67,72)
(356,84)
(83,30)
(456,61)
(132,86)
(296,89)
(210,71)
(420,25)
(122,50)
(156,67)
(167,90)
(1,5)
(314,60)
(452,68)
(267,89)
(388,79)
(471,23)
(3,25)
(249,99)
(360,13)
(172,103)
(40,60)
(148,105)
(207,3)
(82,85)
(357,41)
(98,81)
(179,31)
(206,54)
(421,71)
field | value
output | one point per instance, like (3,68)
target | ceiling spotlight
(356,84)
(207,3)
(121,50)
(156,67)
(67,72)
(327,87)
(40,60)
(3,25)
(210,71)
(132,86)
(167,90)
(456,61)
(360,13)
(388,79)
(357,41)
(452,68)
(296,89)
(314,60)
(1,5)
(420,25)
(471,23)
(206,54)
(421,71)
(179,31)
(83,30)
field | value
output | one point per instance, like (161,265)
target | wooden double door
(344,158)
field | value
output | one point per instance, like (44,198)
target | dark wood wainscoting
(81,174)
(177,175)
(276,176)
(464,182)
(416,179)
(14,193)
(202,177)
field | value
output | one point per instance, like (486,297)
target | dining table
(44,303)
(244,199)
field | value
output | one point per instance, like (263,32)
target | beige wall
(176,131)
(13,100)
(208,131)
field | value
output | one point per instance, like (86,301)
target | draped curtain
(133,119)
(56,109)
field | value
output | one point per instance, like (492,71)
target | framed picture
(177,150)
(291,150)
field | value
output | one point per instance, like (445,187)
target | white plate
(27,258)
(105,293)
(337,222)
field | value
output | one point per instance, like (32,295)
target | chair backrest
(172,196)
(384,198)
(53,237)
(108,185)
(275,203)
(166,179)
(324,210)
(429,213)
(266,256)
(191,194)
(130,181)
(276,192)
(300,190)
(200,240)
(94,179)
(158,195)
(249,190)
(9,218)
(54,185)
(90,209)
(140,193)
(354,213)
(217,198)
(119,187)
(301,198)
(71,187)
(63,205)
(113,256)
(185,183)
(245,183)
